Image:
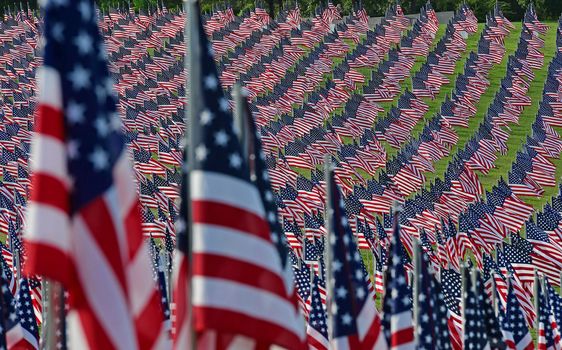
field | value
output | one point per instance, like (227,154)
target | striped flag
(355,321)
(84,226)
(237,277)
(398,321)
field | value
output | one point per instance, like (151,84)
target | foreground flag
(84,226)
(238,282)
(355,321)
(398,320)
(514,326)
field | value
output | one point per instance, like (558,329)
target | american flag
(317,328)
(398,319)
(432,330)
(548,337)
(355,320)
(475,336)
(255,304)
(83,212)
(15,332)
(26,317)
(489,319)
(513,324)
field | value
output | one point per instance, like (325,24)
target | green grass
(518,132)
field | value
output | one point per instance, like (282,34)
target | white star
(346,319)
(102,126)
(341,292)
(235,160)
(72,149)
(336,265)
(268,196)
(57,31)
(201,152)
(85,10)
(360,293)
(223,104)
(100,159)
(115,122)
(210,82)
(80,77)
(221,138)
(60,2)
(101,94)
(210,49)
(358,274)
(75,112)
(271,217)
(206,117)
(84,43)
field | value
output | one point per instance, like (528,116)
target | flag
(237,284)
(398,320)
(84,227)
(513,324)
(475,336)
(26,317)
(317,328)
(356,323)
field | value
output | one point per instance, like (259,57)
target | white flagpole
(328,174)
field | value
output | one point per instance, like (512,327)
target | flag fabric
(317,328)
(355,320)
(84,227)
(237,283)
(513,324)
(398,319)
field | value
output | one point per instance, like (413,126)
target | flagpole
(464,294)
(193,91)
(239,119)
(328,174)
(494,298)
(536,291)
(416,285)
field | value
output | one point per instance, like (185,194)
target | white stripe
(313,333)
(125,187)
(257,303)
(341,343)
(401,321)
(366,317)
(14,335)
(49,85)
(76,337)
(238,245)
(205,185)
(48,156)
(56,233)
(141,286)
(140,282)
(102,290)
(242,343)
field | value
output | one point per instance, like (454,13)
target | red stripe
(314,343)
(146,324)
(180,294)
(133,225)
(50,122)
(373,334)
(99,223)
(402,337)
(41,260)
(227,321)
(223,267)
(50,191)
(206,212)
